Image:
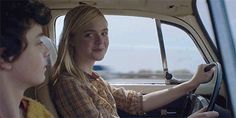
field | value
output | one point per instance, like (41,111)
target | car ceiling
(176,8)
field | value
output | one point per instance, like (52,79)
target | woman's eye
(88,35)
(104,33)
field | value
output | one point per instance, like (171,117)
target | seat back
(41,92)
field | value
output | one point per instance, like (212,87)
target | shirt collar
(94,75)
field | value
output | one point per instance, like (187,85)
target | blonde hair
(75,20)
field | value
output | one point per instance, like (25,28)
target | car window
(133,55)
(182,54)
(204,15)
(59,26)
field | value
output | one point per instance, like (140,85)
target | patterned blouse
(93,98)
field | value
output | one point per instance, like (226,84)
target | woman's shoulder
(65,80)
(36,109)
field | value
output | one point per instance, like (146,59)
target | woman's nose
(99,39)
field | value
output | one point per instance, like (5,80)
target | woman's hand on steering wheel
(202,75)
(202,113)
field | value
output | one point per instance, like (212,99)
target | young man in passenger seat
(22,57)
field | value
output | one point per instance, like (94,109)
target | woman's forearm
(159,98)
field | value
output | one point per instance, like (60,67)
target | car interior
(179,13)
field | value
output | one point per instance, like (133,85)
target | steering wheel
(216,89)
(195,102)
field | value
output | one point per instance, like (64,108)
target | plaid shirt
(93,98)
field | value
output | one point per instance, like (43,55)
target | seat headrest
(52,49)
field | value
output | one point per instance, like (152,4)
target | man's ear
(3,64)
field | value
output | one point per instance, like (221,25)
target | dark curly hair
(16,20)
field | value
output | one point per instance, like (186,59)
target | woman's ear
(3,64)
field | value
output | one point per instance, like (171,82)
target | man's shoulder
(36,109)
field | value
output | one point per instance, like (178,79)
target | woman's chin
(99,58)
